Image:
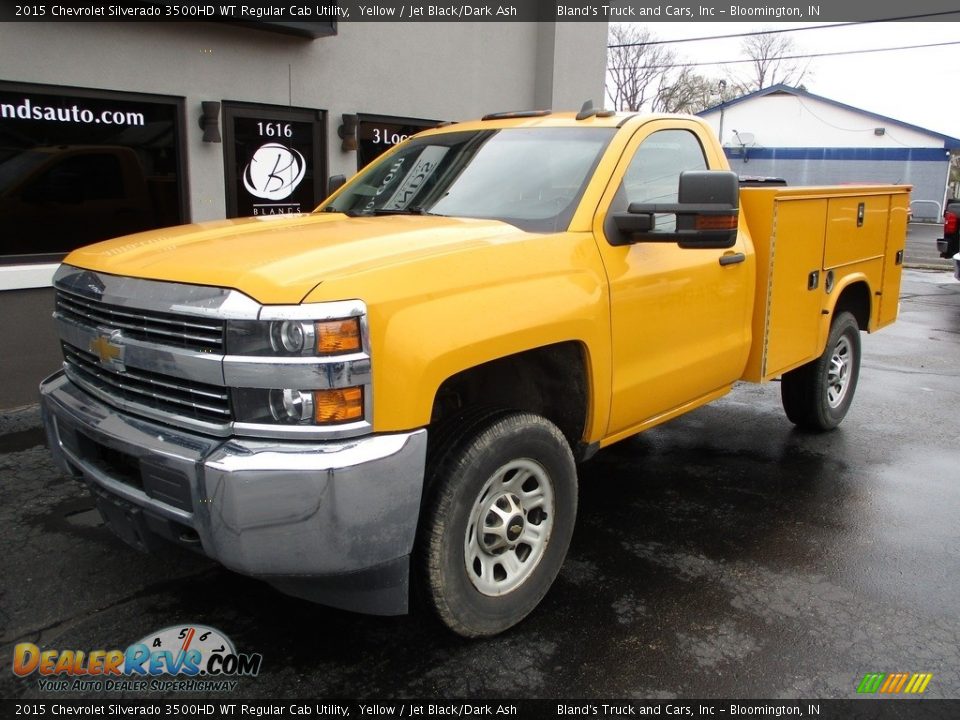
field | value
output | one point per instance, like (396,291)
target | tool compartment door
(893,259)
(812,244)
(856,230)
(795,294)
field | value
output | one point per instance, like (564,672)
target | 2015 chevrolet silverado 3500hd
(396,388)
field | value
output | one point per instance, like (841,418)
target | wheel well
(855,299)
(550,381)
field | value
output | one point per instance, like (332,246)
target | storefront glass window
(378,133)
(78,166)
(274,162)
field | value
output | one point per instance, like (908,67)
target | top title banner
(298,16)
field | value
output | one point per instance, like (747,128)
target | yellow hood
(279,260)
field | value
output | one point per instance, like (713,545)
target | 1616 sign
(274,165)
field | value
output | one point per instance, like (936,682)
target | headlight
(300,368)
(292,338)
(299,407)
(291,406)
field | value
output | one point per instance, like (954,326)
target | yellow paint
(799,231)
(662,329)
(895,242)
(679,320)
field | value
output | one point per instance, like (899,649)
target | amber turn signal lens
(338,336)
(716,222)
(336,406)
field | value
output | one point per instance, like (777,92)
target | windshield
(530,177)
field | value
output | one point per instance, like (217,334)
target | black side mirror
(707,210)
(335,183)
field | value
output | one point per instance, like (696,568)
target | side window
(654,172)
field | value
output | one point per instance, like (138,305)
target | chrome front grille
(192,333)
(138,388)
(158,350)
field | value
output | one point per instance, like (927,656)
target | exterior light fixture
(210,121)
(348,132)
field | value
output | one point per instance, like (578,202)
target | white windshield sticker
(425,165)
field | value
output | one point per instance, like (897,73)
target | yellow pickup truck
(396,388)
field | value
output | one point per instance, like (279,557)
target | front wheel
(497,528)
(817,396)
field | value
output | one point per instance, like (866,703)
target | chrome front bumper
(332,521)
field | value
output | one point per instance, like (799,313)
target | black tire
(817,396)
(513,476)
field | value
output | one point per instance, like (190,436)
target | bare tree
(770,62)
(642,75)
(954,182)
(635,68)
(687,92)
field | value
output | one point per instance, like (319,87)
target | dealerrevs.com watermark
(180,658)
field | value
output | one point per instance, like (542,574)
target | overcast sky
(921,87)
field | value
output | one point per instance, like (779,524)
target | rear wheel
(817,396)
(500,519)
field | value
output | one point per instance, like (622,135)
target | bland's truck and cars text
(392,393)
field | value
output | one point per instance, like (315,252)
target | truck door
(680,318)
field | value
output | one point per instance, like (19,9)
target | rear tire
(817,396)
(498,523)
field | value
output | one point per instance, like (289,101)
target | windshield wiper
(414,210)
(348,213)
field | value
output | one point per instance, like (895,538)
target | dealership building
(807,139)
(112,128)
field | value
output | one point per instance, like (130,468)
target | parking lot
(721,555)
(922,246)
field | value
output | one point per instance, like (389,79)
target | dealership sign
(273,160)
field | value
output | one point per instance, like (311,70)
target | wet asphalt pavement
(721,555)
(921,250)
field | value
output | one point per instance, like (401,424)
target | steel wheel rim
(839,372)
(509,527)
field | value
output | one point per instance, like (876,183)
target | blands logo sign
(274,172)
(894,683)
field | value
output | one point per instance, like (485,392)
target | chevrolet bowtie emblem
(107,347)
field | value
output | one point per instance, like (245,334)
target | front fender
(432,319)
